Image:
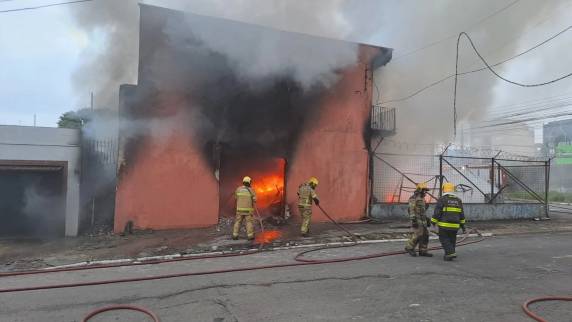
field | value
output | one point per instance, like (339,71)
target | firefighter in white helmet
(245,200)
(307,194)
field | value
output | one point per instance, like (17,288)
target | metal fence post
(546,188)
(492,177)
(440,176)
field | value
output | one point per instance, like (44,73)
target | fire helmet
(448,187)
(247,180)
(422,186)
(313,181)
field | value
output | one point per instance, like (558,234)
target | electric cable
(419,91)
(45,6)
(489,67)
(453,36)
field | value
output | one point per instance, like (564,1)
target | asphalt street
(488,282)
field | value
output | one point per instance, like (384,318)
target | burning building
(217,100)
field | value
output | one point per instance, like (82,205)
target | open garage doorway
(33,199)
(268,175)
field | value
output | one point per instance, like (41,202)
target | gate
(477,179)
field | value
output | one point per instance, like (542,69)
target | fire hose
(259,218)
(147,312)
(526,309)
(352,236)
(299,261)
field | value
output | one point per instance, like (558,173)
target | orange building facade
(185,145)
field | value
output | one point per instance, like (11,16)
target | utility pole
(93,192)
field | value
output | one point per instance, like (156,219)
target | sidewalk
(36,253)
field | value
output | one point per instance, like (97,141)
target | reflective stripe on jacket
(306,195)
(245,199)
(449,212)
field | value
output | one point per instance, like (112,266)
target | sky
(39,51)
(42,51)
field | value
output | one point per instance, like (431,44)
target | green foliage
(70,120)
(553,196)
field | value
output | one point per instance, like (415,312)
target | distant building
(39,181)
(557,139)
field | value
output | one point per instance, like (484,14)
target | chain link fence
(481,178)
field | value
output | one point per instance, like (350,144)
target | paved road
(489,282)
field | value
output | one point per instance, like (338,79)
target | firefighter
(419,222)
(449,217)
(307,194)
(245,200)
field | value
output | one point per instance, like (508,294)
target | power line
(492,71)
(453,36)
(538,118)
(490,68)
(419,91)
(45,6)
(535,108)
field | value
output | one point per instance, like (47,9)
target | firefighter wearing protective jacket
(245,200)
(419,222)
(449,217)
(307,195)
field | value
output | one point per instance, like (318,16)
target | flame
(267,237)
(389,198)
(268,189)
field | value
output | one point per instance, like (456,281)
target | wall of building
(170,186)
(21,143)
(168,183)
(473,212)
(332,148)
(191,103)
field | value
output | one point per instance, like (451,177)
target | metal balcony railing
(383,120)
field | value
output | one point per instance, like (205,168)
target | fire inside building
(196,123)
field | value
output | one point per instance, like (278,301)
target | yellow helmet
(313,180)
(247,179)
(448,187)
(422,186)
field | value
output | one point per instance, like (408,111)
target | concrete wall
(333,149)
(22,143)
(169,186)
(474,212)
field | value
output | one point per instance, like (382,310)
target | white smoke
(500,29)
(116,62)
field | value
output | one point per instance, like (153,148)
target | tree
(76,119)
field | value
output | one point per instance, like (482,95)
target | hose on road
(299,260)
(526,309)
(146,311)
(342,228)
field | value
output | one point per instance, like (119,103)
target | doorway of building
(268,175)
(32,202)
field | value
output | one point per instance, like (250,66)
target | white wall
(24,143)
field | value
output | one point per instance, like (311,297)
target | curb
(251,250)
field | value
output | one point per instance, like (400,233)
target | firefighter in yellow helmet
(245,200)
(307,195)
(449,217)
(419,222)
